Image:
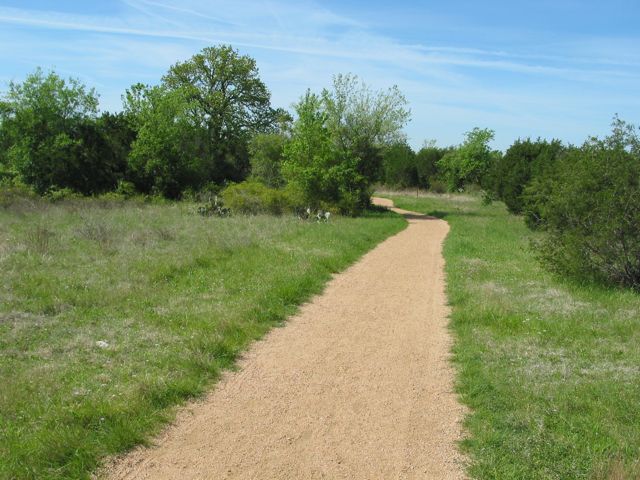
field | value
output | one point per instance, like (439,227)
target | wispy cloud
(301,44)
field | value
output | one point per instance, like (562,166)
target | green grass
(550,369)
(111,314)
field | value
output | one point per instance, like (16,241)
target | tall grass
(550,368)
(113,313)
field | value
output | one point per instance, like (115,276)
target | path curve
(357,385)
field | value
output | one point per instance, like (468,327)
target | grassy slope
(550,369)
(175,297)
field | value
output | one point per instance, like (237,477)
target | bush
(523,161)
(589,206)
(59,194)
(253,198)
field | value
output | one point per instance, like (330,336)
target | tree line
(209,126)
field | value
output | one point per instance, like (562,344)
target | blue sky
(546,68)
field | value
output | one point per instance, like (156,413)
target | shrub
(253,198)
(589,206)
(59,194)
(437,186)
(522,162)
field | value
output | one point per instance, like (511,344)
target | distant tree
(5,169)
(49,126)
(469,162)
(363,122)
(399,165)
(426,161)
(523,161)
(227,98)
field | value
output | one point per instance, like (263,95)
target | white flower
(102,344)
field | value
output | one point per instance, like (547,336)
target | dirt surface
(356,386)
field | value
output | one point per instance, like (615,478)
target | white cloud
(301,44)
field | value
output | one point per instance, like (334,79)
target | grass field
(111,314)
(550,369)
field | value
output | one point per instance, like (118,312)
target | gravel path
(356,386)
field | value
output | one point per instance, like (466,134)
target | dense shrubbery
(523,161)
(588,203)
(252,198)
(53,138)
(209,121)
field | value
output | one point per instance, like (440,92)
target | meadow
(549,368)
(112,313)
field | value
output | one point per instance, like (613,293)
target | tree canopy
(227,98)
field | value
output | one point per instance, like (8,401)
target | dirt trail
(356,386)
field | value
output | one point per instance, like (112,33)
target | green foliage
(426,161)
(522,162)
(252,198)
(315,165)
(337,140)
(51,138)
(227,98)
(363,122)
(399,163)
(469,162)
(11,195)
(165,156)
(266,152)
(548,368)
(589,207)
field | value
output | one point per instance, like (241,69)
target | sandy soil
(356,386)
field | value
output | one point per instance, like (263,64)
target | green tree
(469,162)
(522,162)
(49,127)
(228,99)
(399,163)
(363,122)
(166,157)
(426,161)
(315,165)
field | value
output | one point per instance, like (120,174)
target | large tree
(228,99)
